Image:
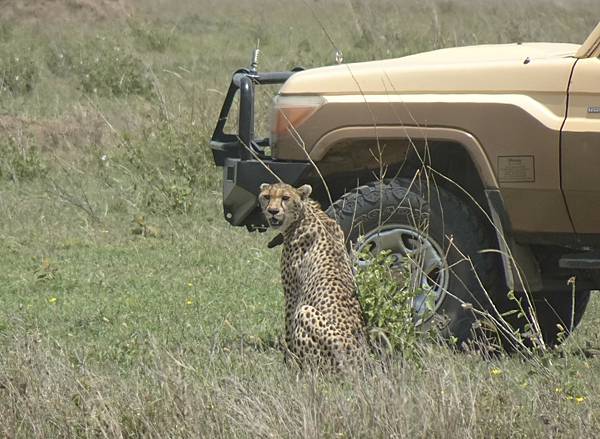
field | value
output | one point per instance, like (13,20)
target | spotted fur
(323,318)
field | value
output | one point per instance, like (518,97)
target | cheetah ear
(304,191)
(263,186)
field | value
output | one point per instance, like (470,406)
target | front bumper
(241,182)
(242,156)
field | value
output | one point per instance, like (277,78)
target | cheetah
(324,323)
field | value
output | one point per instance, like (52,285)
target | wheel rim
(424,257)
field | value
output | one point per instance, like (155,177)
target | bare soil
(60,10)
(83,128)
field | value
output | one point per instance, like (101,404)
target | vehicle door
(580,147)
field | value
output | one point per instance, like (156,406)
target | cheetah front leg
(317,341)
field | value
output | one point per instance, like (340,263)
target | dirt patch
(77,131)
(60,10)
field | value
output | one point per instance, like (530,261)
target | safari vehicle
(479,164)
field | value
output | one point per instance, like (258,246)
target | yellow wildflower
(52,299)
(558,390)
(190,284)
(495,371)
(579,399)
(189,302)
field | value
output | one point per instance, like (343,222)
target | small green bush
(6,30)
(151,37)
(19,161)
(386,294)
(18,71)
(59,60)
(169,167)
(102,67)
(108,69)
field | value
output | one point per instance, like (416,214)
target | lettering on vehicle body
(593,110)
(516,169)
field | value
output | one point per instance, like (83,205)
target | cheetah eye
(285,198)
(267,197)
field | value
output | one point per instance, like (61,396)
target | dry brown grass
(47,391)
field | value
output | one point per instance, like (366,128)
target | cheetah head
(282,204)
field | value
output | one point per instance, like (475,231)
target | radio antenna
(255,54)
(339,56)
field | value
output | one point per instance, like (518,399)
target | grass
(167,326)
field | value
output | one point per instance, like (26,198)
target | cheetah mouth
(274,222)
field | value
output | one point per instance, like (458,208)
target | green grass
(107,332)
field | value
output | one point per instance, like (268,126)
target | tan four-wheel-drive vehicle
(480,164)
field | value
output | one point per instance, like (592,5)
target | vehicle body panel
(486,68)
(580,147)
(514,108)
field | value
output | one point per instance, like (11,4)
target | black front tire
(459,230)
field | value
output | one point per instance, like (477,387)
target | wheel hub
(418,255)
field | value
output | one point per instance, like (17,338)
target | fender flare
(467,140)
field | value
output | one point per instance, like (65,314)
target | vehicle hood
(482,68)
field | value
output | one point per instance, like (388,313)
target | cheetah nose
(273,211)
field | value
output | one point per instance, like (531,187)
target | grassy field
(128,306)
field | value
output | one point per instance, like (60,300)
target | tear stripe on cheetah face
(323,318)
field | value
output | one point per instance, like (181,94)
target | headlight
(290,112)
